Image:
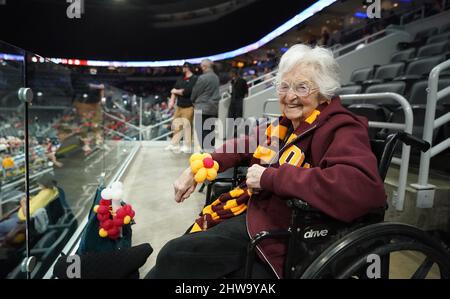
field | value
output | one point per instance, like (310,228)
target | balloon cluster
(203,167)
(111,214)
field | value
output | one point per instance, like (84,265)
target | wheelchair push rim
(348,256)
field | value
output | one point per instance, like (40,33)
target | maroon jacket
(343,179)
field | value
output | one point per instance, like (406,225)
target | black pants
(235,110)
(215,253)
(203,131)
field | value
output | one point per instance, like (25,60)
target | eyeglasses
(301,89)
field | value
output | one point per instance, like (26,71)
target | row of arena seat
(406,74)
(413,69)
(427,36)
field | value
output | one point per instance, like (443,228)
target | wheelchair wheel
(352,256)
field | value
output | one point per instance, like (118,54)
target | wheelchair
(342,250)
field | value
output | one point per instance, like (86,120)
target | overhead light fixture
(299,18)
(361,15)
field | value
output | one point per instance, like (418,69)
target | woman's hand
(184,185)
(254,174)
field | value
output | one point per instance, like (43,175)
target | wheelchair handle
(413,141)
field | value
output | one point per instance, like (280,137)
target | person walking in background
(205,97)
(239,90)
(184,110)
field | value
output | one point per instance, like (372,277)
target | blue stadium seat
(387,71)
(439,38)
(362,74)
(395,87)
(421,67)
(433,49)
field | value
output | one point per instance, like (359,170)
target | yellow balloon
(216,166)
(196,165)
(103,233)
(211,174)
(201,175)
(196,156)
(96,208)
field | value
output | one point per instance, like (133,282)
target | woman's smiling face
(297,94)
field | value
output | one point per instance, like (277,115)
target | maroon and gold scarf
(233,203)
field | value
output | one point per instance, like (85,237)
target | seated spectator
(14,221)
(317,151)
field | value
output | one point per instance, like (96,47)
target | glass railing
(75,146)
(131,117)
(12,159)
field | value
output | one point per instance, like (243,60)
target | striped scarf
(234,203)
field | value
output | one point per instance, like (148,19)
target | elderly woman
(317,151)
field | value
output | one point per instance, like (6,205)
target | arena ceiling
(140,29)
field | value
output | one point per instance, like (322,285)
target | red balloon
(121,213)
(104,202)
(102,210)
(102,217)
(208,162)
(113,231)
(118,221)
(108,224)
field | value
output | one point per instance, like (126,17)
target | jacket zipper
(248,203)
(257,247)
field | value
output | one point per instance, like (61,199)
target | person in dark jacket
(184,111)
(317,151)
(239,90)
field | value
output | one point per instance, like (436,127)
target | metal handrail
(170,119)
(141,129)
(252,82)
(406,127)
(268,81)
(161,136)
(121,120)
(363,40)
(225,95)
(40,107)
(431,123)
(20,181)
(118,133)
(16,197)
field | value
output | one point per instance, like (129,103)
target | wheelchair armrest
(414,142)
(297,203)
(254,242)
(222,180)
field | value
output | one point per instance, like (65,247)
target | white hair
(320,61)
(208,63)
